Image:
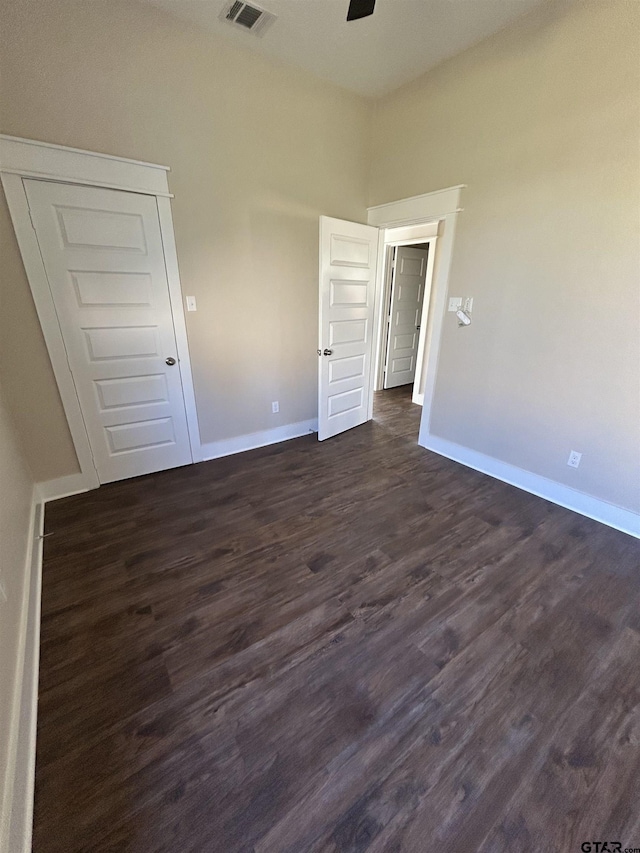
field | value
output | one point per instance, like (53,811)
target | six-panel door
(103,255)
(348,253)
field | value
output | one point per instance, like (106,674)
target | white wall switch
(574,459)
(191,303)
(455,302)
(468,304)
(275,407)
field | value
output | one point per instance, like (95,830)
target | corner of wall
(557,493)
(63,487)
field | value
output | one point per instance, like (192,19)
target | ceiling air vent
(247,16)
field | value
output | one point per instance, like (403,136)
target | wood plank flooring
(348,646)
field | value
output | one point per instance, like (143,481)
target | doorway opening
(403,323)
(355,278)
(395,410)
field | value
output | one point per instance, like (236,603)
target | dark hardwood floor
(349,646)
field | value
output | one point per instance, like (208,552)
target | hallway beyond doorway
(394,410)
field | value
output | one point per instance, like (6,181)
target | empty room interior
(319,426)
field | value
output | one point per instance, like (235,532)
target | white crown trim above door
(33,159)
(24,158)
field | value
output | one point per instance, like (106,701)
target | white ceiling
(372,56)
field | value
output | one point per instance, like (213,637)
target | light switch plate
(455,302)
(191,303)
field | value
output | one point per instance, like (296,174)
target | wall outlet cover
(191,303)
(574,459)
(455,302)
(275,407)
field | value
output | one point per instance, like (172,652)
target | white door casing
(439,210)
(405,314)
(103,254)
(348,257)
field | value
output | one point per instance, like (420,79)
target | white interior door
(348,255)
(103,254)
(407,296)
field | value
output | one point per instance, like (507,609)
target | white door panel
(131,391)
(110,289)
(348,253)
(154,432)
(103,254)
(407,296)
(81,227)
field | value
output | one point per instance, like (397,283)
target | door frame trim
(392,243)
(441,209)
(27,158)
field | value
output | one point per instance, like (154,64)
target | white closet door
(348,255)
(103,254)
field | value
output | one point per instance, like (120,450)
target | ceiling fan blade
(360,9)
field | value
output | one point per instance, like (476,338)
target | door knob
(170,361)
(328,352)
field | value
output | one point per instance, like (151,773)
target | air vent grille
(233,11)
(247,16)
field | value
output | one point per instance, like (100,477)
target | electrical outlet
(468,304)
(455,302)
(574,459)
(275,407)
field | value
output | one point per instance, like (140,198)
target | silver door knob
(328,352)
(170,361)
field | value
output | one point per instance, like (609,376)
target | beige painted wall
(541,121)
(16,491)
(257,153)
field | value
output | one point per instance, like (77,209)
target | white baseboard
(229,446)
(599,510)
(63,487)
(22,758)
(75,484)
